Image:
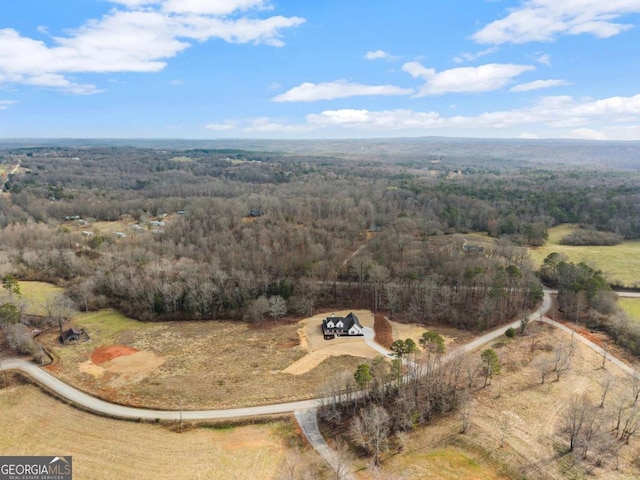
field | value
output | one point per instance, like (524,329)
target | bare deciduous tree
(342,459)
(592,428)
(370,429)
(465,409)
(544,366)
(630,424)
(606,384)
(634,384)
(472,369)
(574,418)
(277,307)
(562,358)
(63,308)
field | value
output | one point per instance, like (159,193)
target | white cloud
(544,20)
(544,59)
(198,7)
(627,132)
(469,57)
(376,55)
(539,84)
(215,7)
(266,125)
(135,3)
(4,104)
(176,83)
(484,78)
(614,118)
(383,120)
(587,134)
(311,92)
(221,127)
(139,38)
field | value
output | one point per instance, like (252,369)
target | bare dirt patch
(107,353)
(383,330)
(120,365)
(312,340)
(90,368)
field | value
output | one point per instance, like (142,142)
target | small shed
(71,335)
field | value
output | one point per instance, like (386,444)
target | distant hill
(504,152)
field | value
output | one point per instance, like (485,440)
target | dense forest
(178,233)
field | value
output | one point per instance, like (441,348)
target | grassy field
(448,463)
(620,263)
(631,306)
(35,295)
(201,364)
(36,424)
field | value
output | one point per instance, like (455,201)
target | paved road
(305,411)
(369,335)
(96,405)
(308,421)
(629,294)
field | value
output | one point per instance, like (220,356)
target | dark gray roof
(349,321)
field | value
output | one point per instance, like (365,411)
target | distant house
(156,223)
(341,326)
(71,335)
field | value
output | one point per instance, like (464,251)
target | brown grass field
(35,424)
(205,364)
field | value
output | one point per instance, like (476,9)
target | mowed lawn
(620,263)
(36,424)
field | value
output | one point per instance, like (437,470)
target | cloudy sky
(320,68)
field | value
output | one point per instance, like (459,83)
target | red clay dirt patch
(107,353)
(383,330)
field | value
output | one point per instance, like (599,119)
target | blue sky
(320,68)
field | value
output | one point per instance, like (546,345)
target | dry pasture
(530,416)
(34,423)
(201,364)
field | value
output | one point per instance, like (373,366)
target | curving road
(305,411)
(97,405)
(102,407)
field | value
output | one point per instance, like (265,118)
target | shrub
(510,333)
(586,236)
(19,337)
